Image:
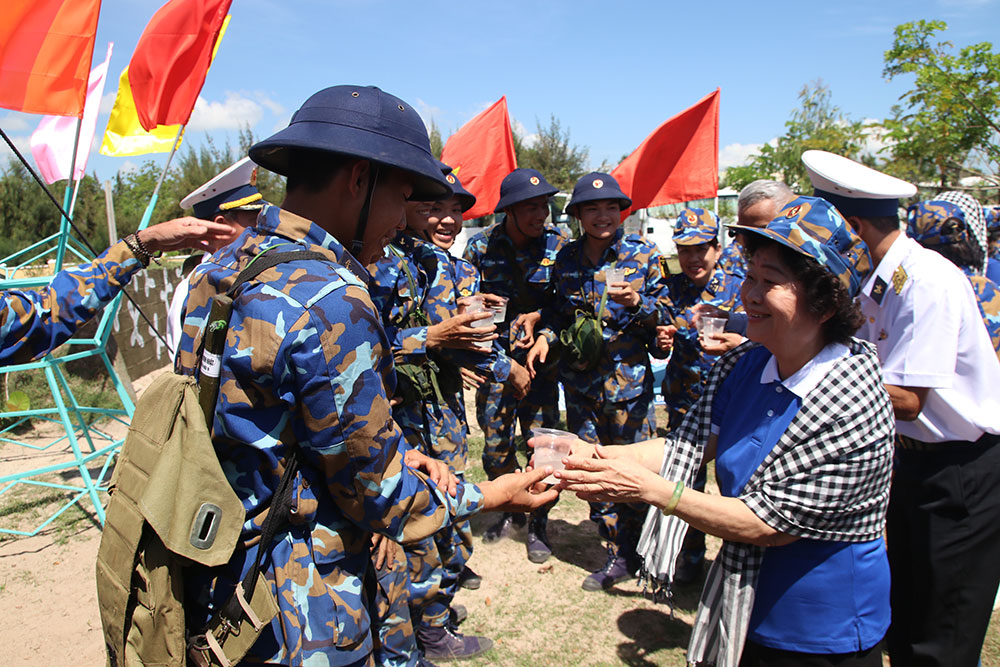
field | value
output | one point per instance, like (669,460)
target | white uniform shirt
(921,314)
(175,312)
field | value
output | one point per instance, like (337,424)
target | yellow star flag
(125,136)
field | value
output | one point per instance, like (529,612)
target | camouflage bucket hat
(935,223)
(695,226)
(813,227)
(992,216)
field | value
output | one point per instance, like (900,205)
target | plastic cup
(711,326)
(612,276)
(551,446)
(475,304)
(499,309)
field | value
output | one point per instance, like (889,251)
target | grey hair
(763,189)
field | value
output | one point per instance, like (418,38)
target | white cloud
(23,144)
(232,114)
(736,155)
(15,122)
(107,103)
(427,112)
(528,139)
(127,167)
(271,105)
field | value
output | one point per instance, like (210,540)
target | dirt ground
(536,614)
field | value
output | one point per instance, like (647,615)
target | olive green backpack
(171,506)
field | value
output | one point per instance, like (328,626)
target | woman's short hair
(823,292)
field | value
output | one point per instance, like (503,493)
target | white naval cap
(233,189)
(854,188)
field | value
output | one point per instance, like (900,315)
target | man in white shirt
(943,523)
(232,199)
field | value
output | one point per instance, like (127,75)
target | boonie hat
(465,198)
(935,223)
(363,122)
(235,189)
(596,186)
(813,227)
(695,226)
(854,188)
(992,216)
(522,184)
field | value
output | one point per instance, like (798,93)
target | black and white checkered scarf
(827,478)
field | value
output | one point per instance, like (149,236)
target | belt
(914,445)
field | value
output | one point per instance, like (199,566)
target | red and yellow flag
(170,62)
(481,153)
(45,51)
(678,162)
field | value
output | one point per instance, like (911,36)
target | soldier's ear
(361,171)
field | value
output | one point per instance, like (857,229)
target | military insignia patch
(899,278)
(713,286)
(450,178)
(598,184)
(664,268)
(793,212)
(547,261)
(878,290)
(692,218)
(882,335)
(629,270)
(253,178)
(534,180)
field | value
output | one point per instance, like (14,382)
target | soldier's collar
(882,275)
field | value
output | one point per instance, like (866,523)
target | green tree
(553,155)
(946,125)
(437,144)
(816,124)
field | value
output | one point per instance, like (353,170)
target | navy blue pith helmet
(465,198)
(596,186)
(363,122)
(521,185)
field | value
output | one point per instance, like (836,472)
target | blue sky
(609,71)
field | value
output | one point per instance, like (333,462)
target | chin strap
(359,231)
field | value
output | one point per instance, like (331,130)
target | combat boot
(457,613)
(442,643)
(538,541)
(469,579)
(616,570)
(503,528)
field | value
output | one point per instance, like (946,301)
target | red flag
(678,162)
(481,153)
(45,52)
(168,68)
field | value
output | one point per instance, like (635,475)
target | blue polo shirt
(812,596)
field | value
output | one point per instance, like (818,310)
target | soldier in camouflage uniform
(940,226)
(609,387)
(413,288)
(307,368)
(514,258)
(991,214)
(35,322)
(701,281)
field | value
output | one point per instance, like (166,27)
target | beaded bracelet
(144,248)
(133,246)
(671,505)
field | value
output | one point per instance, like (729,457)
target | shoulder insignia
(629,270)
(547,261)
(899,279)
(713,286)
(878,290)
(664,267)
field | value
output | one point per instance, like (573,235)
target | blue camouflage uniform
(524,277)
(613,402)
(307,362)
(35,322)
(434,426)
(732,261)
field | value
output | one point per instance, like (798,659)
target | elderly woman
(801,430)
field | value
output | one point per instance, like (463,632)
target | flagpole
(156,191)
(68,199)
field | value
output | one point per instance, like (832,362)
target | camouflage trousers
(396,645)
(439,431)
(497,409)
(435,564)
(613,423)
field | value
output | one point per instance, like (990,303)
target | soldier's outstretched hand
(457,332)
(186,232)
(517,491)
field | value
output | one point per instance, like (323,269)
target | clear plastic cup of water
(551,447)
(612,276)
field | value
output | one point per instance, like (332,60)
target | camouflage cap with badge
(935,223)
(813,227)
(695,226)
